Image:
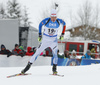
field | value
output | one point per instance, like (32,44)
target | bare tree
(88,20)
(84,14)
(97,20)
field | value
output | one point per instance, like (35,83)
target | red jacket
(29,52)
(17,51)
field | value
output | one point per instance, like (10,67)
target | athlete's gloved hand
(61,37)
(40,38)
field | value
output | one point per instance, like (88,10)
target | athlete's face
(53,19)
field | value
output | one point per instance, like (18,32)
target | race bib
(51,31)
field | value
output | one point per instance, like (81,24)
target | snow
(73,75)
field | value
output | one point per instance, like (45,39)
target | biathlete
(49,39)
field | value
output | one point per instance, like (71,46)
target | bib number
(51,31)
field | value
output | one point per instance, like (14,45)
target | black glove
(9,54)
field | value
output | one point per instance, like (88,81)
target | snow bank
(17,61)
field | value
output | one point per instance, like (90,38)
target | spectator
(21,47)
(98,50)
(66,54)
(16,51)
(93,51)
(29,51)
(34,49)
(60,56)
(5,51)
(48,51)
(87,55)
(73,55)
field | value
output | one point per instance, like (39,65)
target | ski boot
(26,68)
(54,69)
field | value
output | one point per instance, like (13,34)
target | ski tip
(8,77)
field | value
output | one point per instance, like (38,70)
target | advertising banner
(67,62)
(89,61)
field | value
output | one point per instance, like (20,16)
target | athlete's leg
(54,48)
(38,52)
(40,49)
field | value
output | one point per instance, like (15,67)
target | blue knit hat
(2,46)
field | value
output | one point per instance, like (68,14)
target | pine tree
(2,12)
(14,10)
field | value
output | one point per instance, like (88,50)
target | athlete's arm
(41,24)
(64,26)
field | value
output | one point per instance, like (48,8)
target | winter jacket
(21,48)
(60,56)
(5,51)
(18,52)
(86,56)
(29,52)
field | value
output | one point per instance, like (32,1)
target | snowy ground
(73,75)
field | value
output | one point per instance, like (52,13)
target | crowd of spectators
(18,51)
(74,55)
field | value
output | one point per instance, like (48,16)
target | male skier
(49,39)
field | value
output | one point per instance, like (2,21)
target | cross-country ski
(57,75)
(19,74)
